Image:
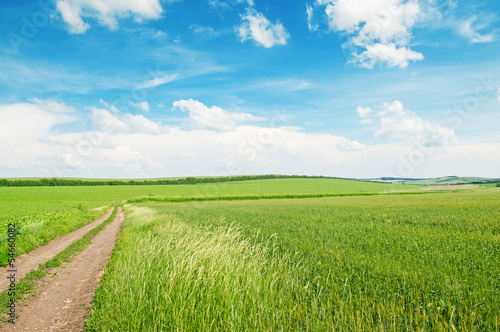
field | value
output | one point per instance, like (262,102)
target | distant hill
(441,181)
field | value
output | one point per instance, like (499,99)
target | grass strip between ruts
(26,286)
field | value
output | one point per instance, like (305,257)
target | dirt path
(27,262)
(63,303)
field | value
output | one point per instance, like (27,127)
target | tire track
(30,261)
(63,302)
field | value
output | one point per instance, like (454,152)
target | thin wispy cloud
(156,81)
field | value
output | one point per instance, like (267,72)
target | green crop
(391,263)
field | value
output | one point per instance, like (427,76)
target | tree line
(54,182)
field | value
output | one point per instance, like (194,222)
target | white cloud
(71,15)
(228,4)
(131,146)
(205,30)
(348,145)
(364,112)
(398,123)
(257,27)
(144,106)
(118,122)
(22,126)
(212,118)
(285,84)
(71,161)
(106,12)
(51,106)
(158,81)
(122,156)
(469,29)
(387,53)
(380,29)
(310,17)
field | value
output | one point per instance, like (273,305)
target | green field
(43,213)
(19,201)
(387,262)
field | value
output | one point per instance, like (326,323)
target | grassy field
(386,263)
(19,201)
(36,229)
(43,213)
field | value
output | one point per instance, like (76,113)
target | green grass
(167,275)
(384,263)
(177,199)
(19,201)
(38,229)
(489,185)
(43,213)
(372,258)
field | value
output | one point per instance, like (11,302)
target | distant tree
(498,184)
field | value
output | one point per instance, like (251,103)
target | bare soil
(30,261)
(63,300)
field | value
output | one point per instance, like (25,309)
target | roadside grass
(167,275)
(379,263)
(36,230)
(27,285)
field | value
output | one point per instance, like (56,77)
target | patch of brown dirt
(63,302)
(30,261)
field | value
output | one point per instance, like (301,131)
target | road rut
(30,261)
(63,302)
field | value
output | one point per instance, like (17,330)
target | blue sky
(150,88)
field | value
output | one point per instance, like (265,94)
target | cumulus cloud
(390,54)
(257,27)
(106,12)
(348,145)
(125,123)
(125,145)
(22,125)
(396,122)
(212,118)
(364,112)
(377,30)
(123,156)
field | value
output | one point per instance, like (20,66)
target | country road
(63,301)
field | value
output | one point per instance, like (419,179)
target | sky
(167,88)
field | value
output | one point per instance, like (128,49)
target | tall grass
(167,275)
(383,263)
(38,229)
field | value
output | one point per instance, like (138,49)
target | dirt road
(63,302)
(30,261)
